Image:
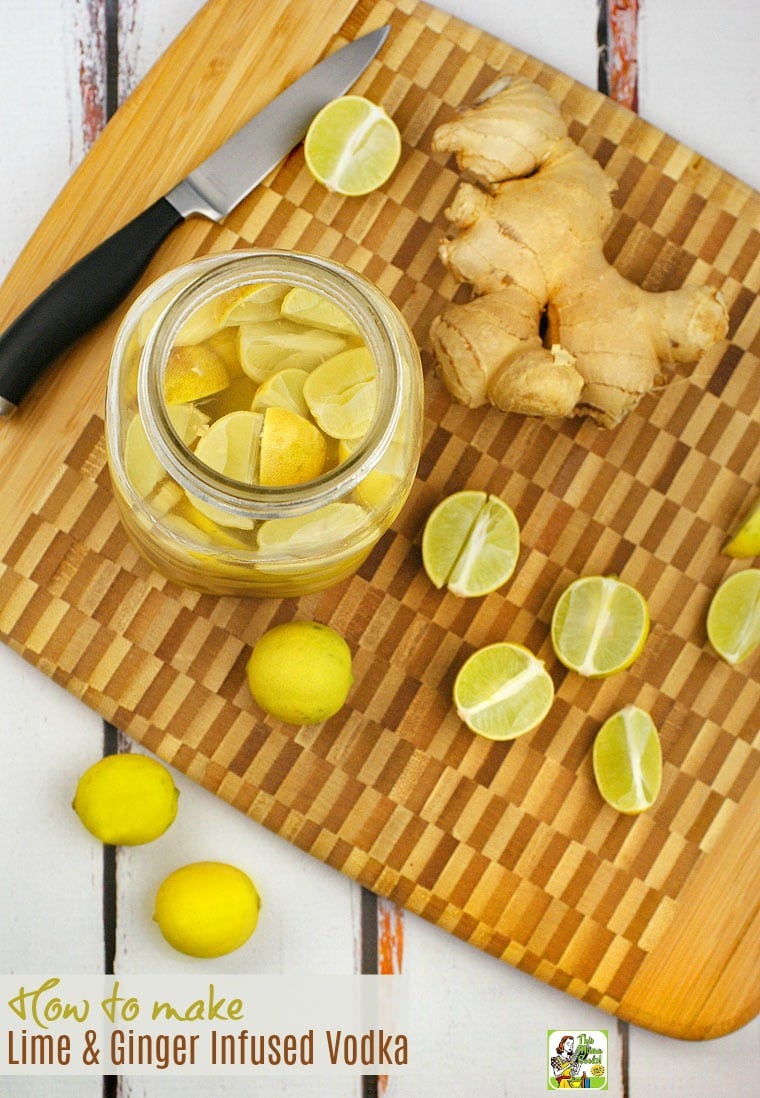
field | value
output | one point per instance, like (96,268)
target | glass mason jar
(208,528)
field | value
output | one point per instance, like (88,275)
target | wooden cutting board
(654,918)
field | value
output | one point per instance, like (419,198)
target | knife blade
(89,290)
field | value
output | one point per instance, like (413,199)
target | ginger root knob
(532,248)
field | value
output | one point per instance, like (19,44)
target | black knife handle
(78,300)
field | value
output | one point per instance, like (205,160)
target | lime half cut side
(470,544)
(627,759)
(503,691)
(599,626)
(352,146)
(733,619)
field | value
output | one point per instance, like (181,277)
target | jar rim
(355,295)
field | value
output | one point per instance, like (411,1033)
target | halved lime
(733,618)
(627,760)
(503,691)
(599,626)
(470,543)
(352,146)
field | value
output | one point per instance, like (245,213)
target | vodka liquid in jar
(263,422)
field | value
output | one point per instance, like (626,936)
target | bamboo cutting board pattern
(654,918)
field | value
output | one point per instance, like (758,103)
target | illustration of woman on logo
(567,1070)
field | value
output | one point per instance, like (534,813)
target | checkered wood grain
(505,845)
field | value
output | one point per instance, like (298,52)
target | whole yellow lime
(300,672)
(207,909)
(126,800)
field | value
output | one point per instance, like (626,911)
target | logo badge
(576,1059)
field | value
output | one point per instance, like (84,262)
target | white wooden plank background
(478,1026)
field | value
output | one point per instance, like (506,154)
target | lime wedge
(254,303)
(627,760)
(225,344)
(381,483)
(744,539)
(231,446)
(198,327)
(283,390)
(193,373)
(275,345)
(329,524)
(342,392)
(307,307)
(733,618)
(144,470)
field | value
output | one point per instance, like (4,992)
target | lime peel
(744,538)
(300,672)
(126,799)
(207,909)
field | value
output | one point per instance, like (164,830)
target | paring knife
(85,294)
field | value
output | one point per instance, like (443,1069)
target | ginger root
(529,240)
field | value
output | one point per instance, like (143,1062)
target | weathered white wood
(51,909)
(560,33)
(145,30)
(51,903)
(480,1026)
(41,115)
(51,906)
(698,78)
(307,922)
(686,1069)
